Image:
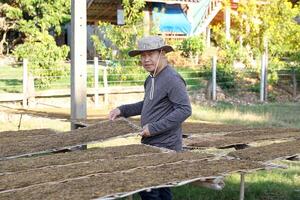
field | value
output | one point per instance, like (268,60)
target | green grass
(279,184)
(271,114)
(11,78)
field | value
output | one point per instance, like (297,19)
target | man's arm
(129,110)
(182,108)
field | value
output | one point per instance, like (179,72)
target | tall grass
(271,114)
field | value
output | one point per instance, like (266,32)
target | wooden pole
(227,22)
(294,78)
(96,83)
(262,79)
(242,186)
(25,82)
(208,36)
(266,69)
(30,91)
(105,82)
(78,61)
(214,78)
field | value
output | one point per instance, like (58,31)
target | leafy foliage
(273,22)
(45,60)
(259,26)
(123,38)
(35,19)
(192,46)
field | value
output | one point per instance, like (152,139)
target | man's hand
(113,114)
(145,132)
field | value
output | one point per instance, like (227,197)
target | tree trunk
(2,42)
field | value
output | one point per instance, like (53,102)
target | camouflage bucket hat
(150,43)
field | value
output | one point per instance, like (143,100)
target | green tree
(258,21)
(124,37)
(273,21)
(34,20)
(192,46)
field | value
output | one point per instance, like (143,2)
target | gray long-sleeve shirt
(164,113)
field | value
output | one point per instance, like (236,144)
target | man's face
(149,60)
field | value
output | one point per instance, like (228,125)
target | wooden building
(177,18)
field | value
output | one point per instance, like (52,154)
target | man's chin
(149,69)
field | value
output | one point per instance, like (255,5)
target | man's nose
(146,58)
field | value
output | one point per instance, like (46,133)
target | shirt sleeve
(178,96)
(129,110)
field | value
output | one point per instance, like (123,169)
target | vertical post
(25,82)
(78,61)
(241,41)
(95,33)
(266,69)
(242,186)
(105,82)
(208,36)
(227,22)
(147,19)
(120,15)
(262,79)
(214,78)
(96,83)
(294,78)
(30,91)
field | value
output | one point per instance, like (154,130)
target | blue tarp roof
(171,18)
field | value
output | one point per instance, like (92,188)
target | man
(164,107)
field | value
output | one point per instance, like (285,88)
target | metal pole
(214,78)
(25,82)
(96,83)
(262,79)
(78,61)
(242,186)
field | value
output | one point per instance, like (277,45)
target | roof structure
(106,10)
